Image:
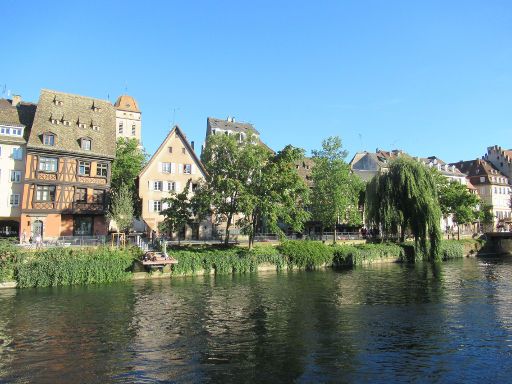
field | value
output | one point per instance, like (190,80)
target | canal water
(387,323)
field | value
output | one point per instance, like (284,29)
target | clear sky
(429,77)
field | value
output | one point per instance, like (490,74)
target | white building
(16,119)
(128,118)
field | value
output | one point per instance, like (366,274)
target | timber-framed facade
(68,166)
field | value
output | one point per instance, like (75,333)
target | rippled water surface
(385,323)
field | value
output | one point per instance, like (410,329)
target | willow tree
(405,198)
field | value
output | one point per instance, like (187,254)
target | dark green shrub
(306,254)
(10,255)
(346,255)
(70,266)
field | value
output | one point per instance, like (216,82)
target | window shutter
(160,167)
(165,185)
(173,167)
(193,168)
(165,206)
(150,205)
(150,185)
(177,187)
(180,168)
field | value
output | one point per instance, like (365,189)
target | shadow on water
(383,323)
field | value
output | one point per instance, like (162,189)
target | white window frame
(15,176)
(157,185)
(14,200)
(48,164)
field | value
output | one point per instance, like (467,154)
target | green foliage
(225,260)
(122,208)
(455,199)
(276,194)
(129,161)
(306,254)
(336,191)
(448,249)
(179,211)
(405,198)
(348,255)
(70,266)
(9,257)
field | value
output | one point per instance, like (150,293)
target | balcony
(43,205)
(83,207)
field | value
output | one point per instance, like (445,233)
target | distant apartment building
(493,187)
(230,126)
(368,164)
(70,151)
(128,118)
(501,159)
(16,119)
(169,169)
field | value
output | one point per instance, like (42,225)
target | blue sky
(428,77)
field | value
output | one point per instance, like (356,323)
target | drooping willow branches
(405,198)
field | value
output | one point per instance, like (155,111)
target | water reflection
(447,322)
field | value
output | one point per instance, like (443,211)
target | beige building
(171,167)
(16,119)
(128,118)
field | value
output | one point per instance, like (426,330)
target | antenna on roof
(126,87)
(174,116)
(360,141)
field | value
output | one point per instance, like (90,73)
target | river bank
(82,266)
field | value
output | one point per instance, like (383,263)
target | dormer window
(95,108)
(58,102)
(85,144)
(49,139)
(67,123)
(95,127)
(54,121)
(81,124)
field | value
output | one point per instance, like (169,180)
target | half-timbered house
(67,176)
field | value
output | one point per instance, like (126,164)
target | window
(84,168)
(97,196)
(48,164)
(133,130)
(187,169)
(45,193)
(157,185)
(95,127)
(17,153)
(81,195)
(82,125)
(82,225)
(157,205)
(170,149)
(67,123)
(85,144)
(57,102)
(48,139)
(15,176)
(120,129)
(194,187)
(183,150)
(102,169)
(482,179)
(14,200)
(166,167)
(171,186)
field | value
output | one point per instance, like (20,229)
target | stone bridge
(500,242)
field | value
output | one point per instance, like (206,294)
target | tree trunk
(334,235)
(402,233)
(458,232)
(228,224)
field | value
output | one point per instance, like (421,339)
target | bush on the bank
(9,256)
(225,260)
(306,254)
(69,266)
(347,255)
(448,249)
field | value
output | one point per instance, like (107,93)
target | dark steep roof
(75,109)
(234,126)
(21,115)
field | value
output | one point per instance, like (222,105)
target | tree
(405,198)
(129,161)
(486,216)
(230,166)
(455,199)
(276,194)
(178,213)
(336,191)
(121,208)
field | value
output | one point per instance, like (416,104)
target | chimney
(16,100)
(192,145)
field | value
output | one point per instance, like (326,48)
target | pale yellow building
(128,118)
(169,169)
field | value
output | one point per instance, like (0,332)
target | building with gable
(70,150)
(169,169)
(128,118)
(16,119)
(492,185)
(501,159)
(368,164)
